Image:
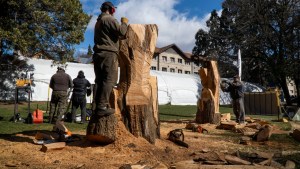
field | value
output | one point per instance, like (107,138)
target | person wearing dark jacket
(106,49)
(81,84)
(60,82)
(236,91)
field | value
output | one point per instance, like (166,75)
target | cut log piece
(265,133)
(210,156)
(247,131)
(208,104)
(254,126)
(290,164)
(137,90)
(235,160)
(53,146)
(296,134)
(230,125)
(190,164)
(225,117)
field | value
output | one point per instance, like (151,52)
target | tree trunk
(283,84)
(135,99)
(297,84)
(208,104)
(137,89)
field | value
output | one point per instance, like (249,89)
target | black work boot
(104,111)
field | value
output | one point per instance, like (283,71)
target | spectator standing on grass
(81,85)
(60,82)
(236,90)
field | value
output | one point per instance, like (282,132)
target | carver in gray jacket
(106,49)
(236,90)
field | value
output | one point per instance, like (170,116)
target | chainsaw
(62,131)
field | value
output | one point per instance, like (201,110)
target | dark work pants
(106,72)
(59,100)
(79,101)
(239,110)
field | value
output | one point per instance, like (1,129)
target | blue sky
(178,20)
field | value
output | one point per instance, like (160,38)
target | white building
(172,59)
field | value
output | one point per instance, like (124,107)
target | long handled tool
(69,101)
(48,99)
(68,107)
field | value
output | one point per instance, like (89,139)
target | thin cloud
(82,50)
(174,27)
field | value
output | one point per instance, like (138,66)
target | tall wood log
(135,99)
(137,89)
(208,104)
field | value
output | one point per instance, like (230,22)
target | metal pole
(16,103)
(29,91)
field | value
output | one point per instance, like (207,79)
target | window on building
(164,58)
(187,72)
(153,68)
(173,60)
(179,60)
(172,70)
(179,71)
(195,73)
(164,69)
(155,57)
(187,63)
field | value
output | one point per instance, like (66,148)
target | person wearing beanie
(60,83)
(81,85)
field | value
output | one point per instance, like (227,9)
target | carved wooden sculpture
(135,99)
(208,104)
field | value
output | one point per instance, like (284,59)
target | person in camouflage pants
(60,83)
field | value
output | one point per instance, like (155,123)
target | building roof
(188,55)
(176,48)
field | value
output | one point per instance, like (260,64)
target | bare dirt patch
(19,150)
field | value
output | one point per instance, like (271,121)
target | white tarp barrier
(177,89)
(43,72)
(173,88)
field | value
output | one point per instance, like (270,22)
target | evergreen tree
(266,31)
(48,26)
(90,51)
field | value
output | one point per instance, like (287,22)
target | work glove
(124,20)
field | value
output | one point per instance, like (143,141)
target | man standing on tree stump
(236,90)
(106,50)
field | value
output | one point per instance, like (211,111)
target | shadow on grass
(77,140)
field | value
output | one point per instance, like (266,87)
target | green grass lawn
(8,127)
(166,112)
(174,112)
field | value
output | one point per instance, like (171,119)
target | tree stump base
(102,129)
